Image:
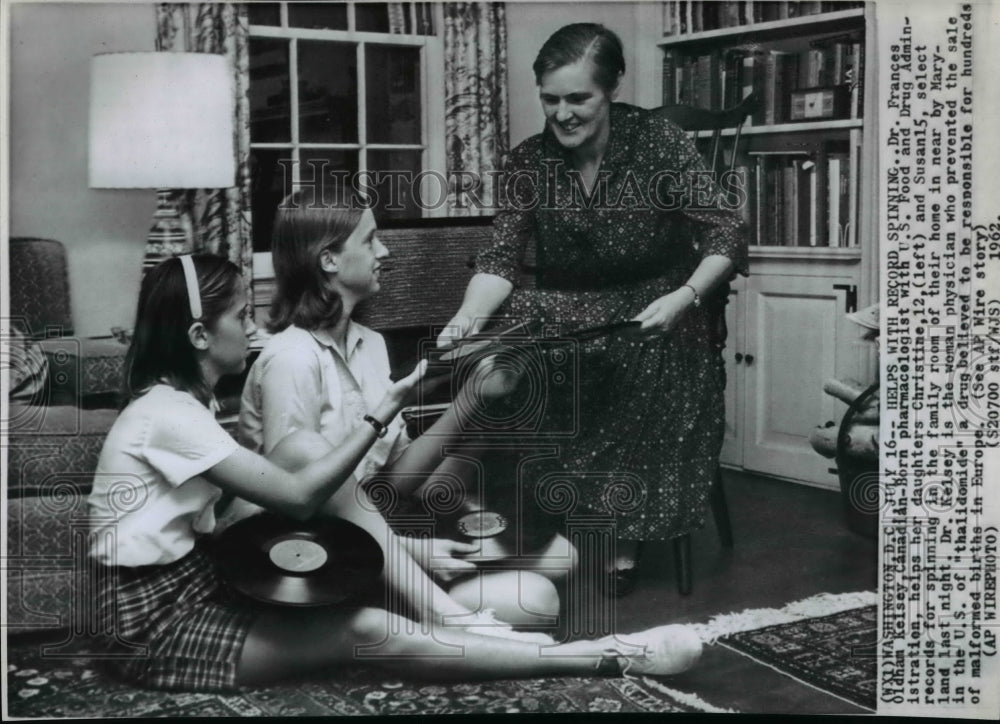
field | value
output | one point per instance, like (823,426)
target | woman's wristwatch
(697,297)
(380,427)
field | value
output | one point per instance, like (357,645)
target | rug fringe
(692,700)
(823,604)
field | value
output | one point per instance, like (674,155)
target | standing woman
(620,231)
(165,464)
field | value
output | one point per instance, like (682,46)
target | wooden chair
(721,146)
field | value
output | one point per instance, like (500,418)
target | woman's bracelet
(380,427)
(697,297)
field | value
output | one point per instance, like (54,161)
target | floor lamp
(162,120)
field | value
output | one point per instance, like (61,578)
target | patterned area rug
(813,641)
(830,653)
(74,688)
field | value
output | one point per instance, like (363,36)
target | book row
(696,16)
(803,199)
(721,78)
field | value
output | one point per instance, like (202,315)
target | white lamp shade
(161,120)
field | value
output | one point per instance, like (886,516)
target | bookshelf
(807,157)
(807,19)
(805,60)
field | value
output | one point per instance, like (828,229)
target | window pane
(266,191)
(392,76)
(328,92)
(398,194)
(327,171)
(374,17)
(264,13)
(270,110)
(329,16)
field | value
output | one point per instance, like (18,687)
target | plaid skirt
(175,626)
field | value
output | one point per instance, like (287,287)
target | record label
(482,524)
(298,556)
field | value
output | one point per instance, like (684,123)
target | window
(343,89)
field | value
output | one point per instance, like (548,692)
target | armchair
(55,430)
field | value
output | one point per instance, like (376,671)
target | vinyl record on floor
(278,560)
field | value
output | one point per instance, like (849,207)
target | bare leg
(520,598)
(281,645)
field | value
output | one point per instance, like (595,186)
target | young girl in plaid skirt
(166,463)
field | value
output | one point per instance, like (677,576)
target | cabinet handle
(739,357)
(850,296)
(749,359)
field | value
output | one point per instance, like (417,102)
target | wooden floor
(790,542)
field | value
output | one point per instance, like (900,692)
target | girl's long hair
(161,350)
(303,295)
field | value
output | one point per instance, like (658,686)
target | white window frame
(432,103)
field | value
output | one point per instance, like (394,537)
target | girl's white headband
(191,279)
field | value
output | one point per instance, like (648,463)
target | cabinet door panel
(797,336)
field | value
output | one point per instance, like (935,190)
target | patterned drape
(475,82)
(223,225)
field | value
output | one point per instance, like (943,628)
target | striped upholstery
(428,270)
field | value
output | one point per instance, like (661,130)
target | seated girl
(165,464)
(320,376)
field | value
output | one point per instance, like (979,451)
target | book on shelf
(821,194)
(669,94)
(853,188)
(696,16)
(669,19)
(815,206)
(729,14)
(838,213)
(801,198)
(853,76)
(721,78)
(789,204)
(738,189)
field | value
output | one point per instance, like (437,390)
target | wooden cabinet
(788,335)
(810,173)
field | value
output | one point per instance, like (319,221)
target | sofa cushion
(29,367)
(49,448)
(85,371)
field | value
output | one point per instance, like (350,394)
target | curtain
(221,216)
(475,82)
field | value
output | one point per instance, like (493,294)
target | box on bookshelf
(813,104)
